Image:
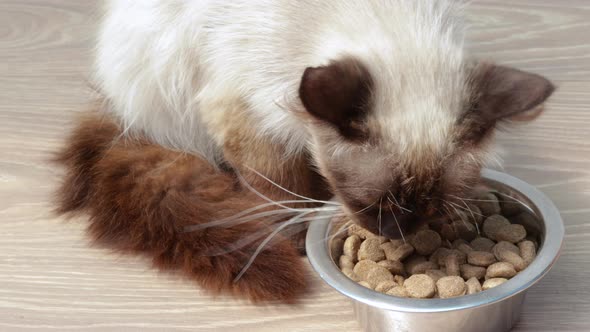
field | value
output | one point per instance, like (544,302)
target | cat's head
(395,148)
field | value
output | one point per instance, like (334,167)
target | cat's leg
(141,197)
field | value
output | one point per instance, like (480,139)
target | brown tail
(140,197)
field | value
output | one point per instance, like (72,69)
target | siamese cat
(376,103)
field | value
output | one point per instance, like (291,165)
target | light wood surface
(50,279)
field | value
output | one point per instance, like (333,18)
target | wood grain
(50,279)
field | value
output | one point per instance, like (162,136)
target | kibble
(500,270)
(469,271)
(452,265)
(426,242)
(422,267)
(461,256)
(457,243)
(464,248)
(366,284)
(488,204)
(346,262)
(512,258)
(503,245)
(528,251)
(437,224)
(458,215)
(491,283)
(382,239)
(481,258)
(363,268)
(420,286)
(473,286)
(398,291)
(360,232)
(465,230)
(533,239)
(475,214)
(493,224)
(446,257)
(401,252)
(395,267)
(351,246)
(397,243)
(438,255)
(413,260)
(512,233)
(371,249)
(451,286)
(350,274)
(378,274)
(482,244)
(448,232)
(435,274)
(385,286)
(442,256)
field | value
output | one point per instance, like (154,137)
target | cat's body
(186,72)
(374,102)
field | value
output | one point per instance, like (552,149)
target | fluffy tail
(140,197)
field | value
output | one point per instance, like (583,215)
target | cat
(378,101)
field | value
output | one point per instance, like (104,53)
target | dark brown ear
(503,93)
(338,94)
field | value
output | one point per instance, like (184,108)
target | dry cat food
(476,250)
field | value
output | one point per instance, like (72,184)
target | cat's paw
(277,274)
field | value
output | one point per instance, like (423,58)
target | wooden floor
(51,280)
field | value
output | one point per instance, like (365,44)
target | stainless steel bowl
(494,310)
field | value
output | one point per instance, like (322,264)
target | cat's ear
(502,93)
(338,94)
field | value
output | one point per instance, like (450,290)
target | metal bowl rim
(318,255)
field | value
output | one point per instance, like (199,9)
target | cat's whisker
(516,201)
(397,203)
(259,194)
(399,206)
(229,222)
(270,216)
(259,234)
(463,208)
(338,232)
(398,225)
(379,216)
(479,200)
(458,214)
(363,188)
(365,208)
(242,242)
(262,206)
(472,215)
(309,199)
(342,229)
(449,214)
(297,219)
(467,209)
